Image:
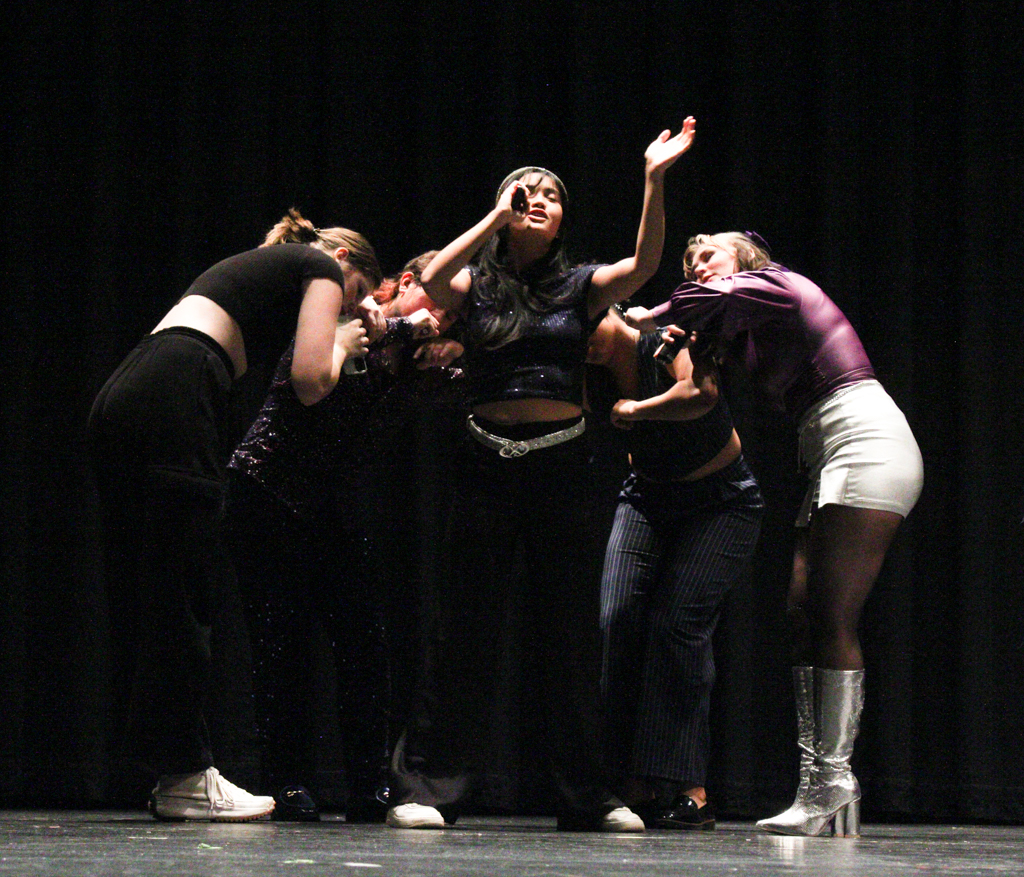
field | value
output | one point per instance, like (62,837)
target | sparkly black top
(295,451)
(546,360)
(662,450)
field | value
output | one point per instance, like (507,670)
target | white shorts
(859,451)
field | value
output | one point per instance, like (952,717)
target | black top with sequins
(294,451)
(546,360)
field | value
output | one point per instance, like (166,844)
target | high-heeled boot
(803,690)
(832,798)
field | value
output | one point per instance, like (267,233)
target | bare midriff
(205,315)
(527,410)
(722,459)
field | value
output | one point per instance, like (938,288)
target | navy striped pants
(675,550)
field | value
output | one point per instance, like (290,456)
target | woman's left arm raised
(617,282)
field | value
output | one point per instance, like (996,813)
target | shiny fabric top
(661,450)
(262,290)
(294,450)
(546,361)
(793,341)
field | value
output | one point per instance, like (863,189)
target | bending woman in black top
(156,435)
(523,482)
(686,526)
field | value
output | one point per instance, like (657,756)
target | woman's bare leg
(801,650)
(835,564)
(845,550)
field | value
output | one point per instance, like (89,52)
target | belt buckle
(512,449)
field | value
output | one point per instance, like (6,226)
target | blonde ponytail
(294,228)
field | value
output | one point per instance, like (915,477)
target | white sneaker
(207,796)
(414,816)
(621,819)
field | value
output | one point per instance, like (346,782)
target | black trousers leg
(154,438)
(296,576)
(537,505)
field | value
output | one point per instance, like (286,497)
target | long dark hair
(509,296)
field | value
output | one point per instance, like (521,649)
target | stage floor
(85,843)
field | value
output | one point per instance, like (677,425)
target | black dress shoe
(683,814)
(295,804)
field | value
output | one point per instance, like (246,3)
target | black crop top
(262,290)
(546,360)
(294,451)
(661,449)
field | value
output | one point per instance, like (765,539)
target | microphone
(667,350)
(353,365)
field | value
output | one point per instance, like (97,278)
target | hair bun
(760,241)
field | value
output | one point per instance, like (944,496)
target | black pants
(532,513)
(675,551)
(154,436)
(299,577)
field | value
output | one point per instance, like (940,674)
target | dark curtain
(879,152)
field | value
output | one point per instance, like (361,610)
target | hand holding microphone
(350,338)
(519,202)
(673,339)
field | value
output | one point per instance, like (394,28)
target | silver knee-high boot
(831,798)
(803,690)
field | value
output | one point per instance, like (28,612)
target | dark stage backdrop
(879,153)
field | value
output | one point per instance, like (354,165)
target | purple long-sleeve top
(798,346)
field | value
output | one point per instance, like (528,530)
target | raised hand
(508,206)
(663,152)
